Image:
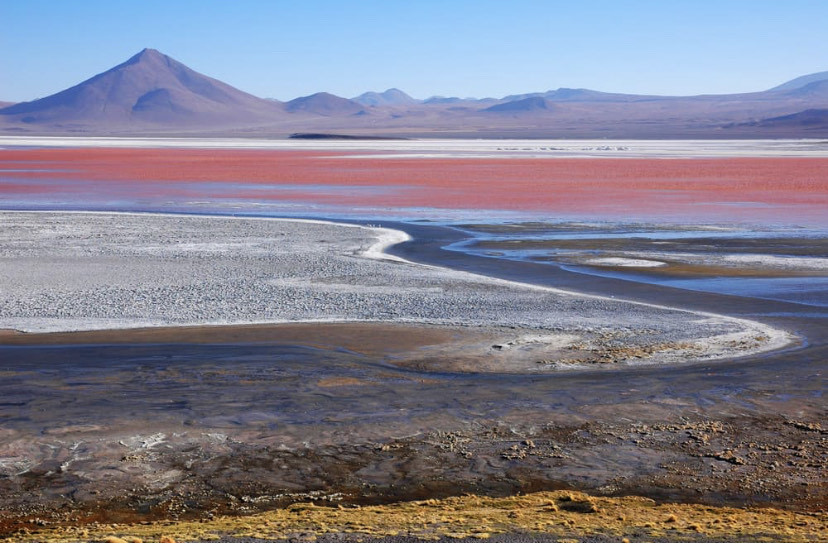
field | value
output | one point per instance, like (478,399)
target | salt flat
(63,271)
(472,148)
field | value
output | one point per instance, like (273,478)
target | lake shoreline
(721,432)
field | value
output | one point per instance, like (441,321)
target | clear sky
(289,48)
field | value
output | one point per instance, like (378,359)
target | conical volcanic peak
(145,55)
(148,88)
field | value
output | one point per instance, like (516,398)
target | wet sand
(376,339)
(157,424)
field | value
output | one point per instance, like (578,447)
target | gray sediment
(64,271)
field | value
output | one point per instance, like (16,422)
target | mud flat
(76,271)
(271,363)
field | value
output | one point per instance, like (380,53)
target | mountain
(389,97)
(324,104)
(566,94)
(153,94)
(802,81)
(149,89)
(817,88)
(529,104)
(439,99)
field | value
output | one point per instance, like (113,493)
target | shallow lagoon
(288,418)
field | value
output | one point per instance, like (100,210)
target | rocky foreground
(547,516)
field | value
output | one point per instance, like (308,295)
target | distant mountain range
(153,94)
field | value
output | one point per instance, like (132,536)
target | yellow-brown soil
(558,515)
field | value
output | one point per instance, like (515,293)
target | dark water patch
(804,315)
(809,291)
(563,245)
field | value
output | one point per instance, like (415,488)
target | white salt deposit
(625,262)
(103,271)
(477,148)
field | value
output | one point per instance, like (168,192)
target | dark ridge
(813,119)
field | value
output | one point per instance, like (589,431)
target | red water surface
(787,190)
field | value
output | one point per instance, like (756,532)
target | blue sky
(285,49)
